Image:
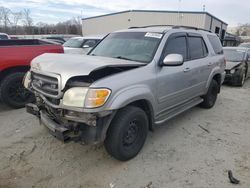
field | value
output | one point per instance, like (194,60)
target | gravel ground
(195,149)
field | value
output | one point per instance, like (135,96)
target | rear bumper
(73,131)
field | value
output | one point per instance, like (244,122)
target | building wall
(211,24)
(107,24)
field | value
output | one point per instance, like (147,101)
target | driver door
(173,81)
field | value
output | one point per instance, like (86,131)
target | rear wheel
(12,91)
(211,96)
(127,133)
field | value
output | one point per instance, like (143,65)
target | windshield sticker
(153,35)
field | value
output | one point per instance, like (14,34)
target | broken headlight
(85,97)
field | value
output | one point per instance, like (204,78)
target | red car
(15,58)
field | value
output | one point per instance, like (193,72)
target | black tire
(12,91)
(127,133)
(211,96)
(242,78)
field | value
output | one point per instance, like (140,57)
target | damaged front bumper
(232,78)
(73,126)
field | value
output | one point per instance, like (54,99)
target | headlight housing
(232,71)
(86,97)
(27,80)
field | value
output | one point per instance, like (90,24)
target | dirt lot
(180,154)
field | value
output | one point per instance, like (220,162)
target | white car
(81,45)
(4,36)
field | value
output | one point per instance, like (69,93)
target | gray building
(133,18)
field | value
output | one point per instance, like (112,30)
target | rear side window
(177,46)
(216,44)
(197,47)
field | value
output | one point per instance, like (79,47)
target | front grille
(45,85)
(53,101)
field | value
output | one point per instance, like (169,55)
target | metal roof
(158,11)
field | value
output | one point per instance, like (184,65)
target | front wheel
(211,96)
(127,133)
(242,78)
(13,92)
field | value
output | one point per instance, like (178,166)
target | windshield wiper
(124,58)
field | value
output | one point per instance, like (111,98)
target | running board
(179,109)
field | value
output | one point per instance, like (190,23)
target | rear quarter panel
(15,56)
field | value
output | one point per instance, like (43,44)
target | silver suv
(132,81)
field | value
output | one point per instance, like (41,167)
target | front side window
(177,46)
(197,47)
(134,46)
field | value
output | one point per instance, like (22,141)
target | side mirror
(173,60)
(86,46)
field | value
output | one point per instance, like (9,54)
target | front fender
(131,94)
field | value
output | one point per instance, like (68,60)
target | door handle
(186,69)
(210,64)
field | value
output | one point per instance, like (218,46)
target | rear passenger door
(198,63)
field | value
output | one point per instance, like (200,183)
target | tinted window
(197,48)
(177,46)
(216,44)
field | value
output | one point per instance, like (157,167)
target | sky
(52,11)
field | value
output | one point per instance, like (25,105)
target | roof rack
(146,26)
(173,26)
(190,27)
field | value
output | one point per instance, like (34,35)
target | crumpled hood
(230,65)
(71,65)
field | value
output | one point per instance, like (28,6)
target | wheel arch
(11,70)
(147,108)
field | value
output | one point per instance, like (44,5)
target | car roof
(164,29)
(236,48)
(158,29)
(3,34)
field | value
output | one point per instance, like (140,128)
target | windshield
(234,55)
(74,43)
(245,45)
(134,46)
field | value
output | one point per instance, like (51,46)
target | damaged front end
(72,126)
(65,101)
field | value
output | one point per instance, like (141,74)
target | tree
(27,20)
(17,16)
(5,17)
